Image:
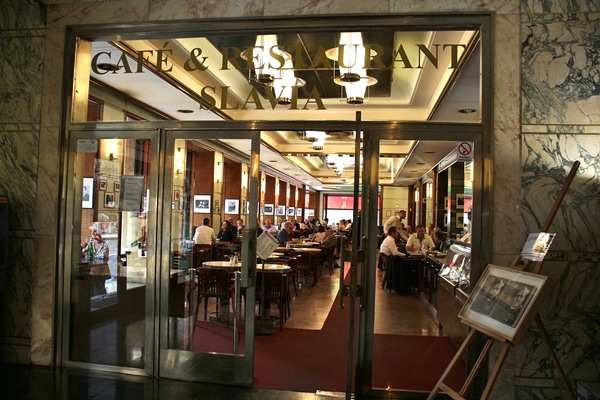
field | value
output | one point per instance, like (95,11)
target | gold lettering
(224,92)
(207,97)
(376,59)
(403,57)
(230,59)
(314,93)
(253,97)
(95,62)
(141,60)
(454,54)
(428,55)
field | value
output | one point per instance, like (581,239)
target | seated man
(269,227)
(420,240)
(388,246)
(285,235)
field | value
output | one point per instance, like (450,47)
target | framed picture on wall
(87,195)
(202,203)
(117,186)
(280,210)
(298,212)
(268,209)
(232,206)
(102,184)
(504,302)
(291,211)
(460,220)
(109,200)
(310,212)
(460,201)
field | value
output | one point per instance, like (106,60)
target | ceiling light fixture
(351,58)
(285,86)
(267,60)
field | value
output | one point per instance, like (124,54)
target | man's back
(204,235)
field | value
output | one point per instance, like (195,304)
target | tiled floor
(404,315)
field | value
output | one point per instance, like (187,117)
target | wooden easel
(519,263)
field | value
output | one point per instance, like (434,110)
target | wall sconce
(112,157)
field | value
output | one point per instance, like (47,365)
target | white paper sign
(537,245)
(265,245)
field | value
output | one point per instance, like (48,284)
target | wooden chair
(275,290)
(212,282)
(201,253)
(383,260)
(303,263)
(327,257)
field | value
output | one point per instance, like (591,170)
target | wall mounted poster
(202,203)
(291,211)
(280,210)
(232,206)
(504,302)
(87,195)
(268,209)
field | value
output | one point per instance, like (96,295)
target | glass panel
(108,278)
(209,203)
(302,75)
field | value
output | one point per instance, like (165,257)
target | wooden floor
(401,315)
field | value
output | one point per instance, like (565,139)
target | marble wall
(545,117)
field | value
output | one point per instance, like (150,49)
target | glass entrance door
(109,252)
(207,278)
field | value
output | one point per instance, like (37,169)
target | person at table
(101,246)
(225,234)
(395,220)
(419,240)
(205,234)
(320,235)
(388,246)
(438,240)
(286,233)
(268,226)
(239,226)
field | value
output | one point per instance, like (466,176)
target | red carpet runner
(309,360)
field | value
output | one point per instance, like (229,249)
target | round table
(222,264)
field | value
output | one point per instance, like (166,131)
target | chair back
(213,282)
(201,253)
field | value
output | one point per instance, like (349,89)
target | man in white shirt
(269,227)
(420,239)
(395,220)
(204,233)
(388,246)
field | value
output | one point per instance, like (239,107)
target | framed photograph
(460,201)
(445,203)
(460,220)
(291,211)
(268,209)
(298,212)
(117,186)
(232,206)
(109,200)
(280,210)
(504,302)
(87,194)
(310,212)
(388,213)
(202,203)
(102,184)
(176,195)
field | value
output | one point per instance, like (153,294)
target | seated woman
(101,246)
(225,234)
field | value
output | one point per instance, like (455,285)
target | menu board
(130,197)
(265,245)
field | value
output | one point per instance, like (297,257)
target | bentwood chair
(201,253)
(275,290)
(212,282)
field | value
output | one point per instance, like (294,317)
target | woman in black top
(225,235)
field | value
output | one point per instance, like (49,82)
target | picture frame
(291,211)
(460,220)
(268,209)
(232,206)
(310,212)
(202,203)
(280,210)
(504,302)
(298,212)
(460,201)
(109,200)
(87,193)
(176,195)
(388,213)
(102,184)
(117,186)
